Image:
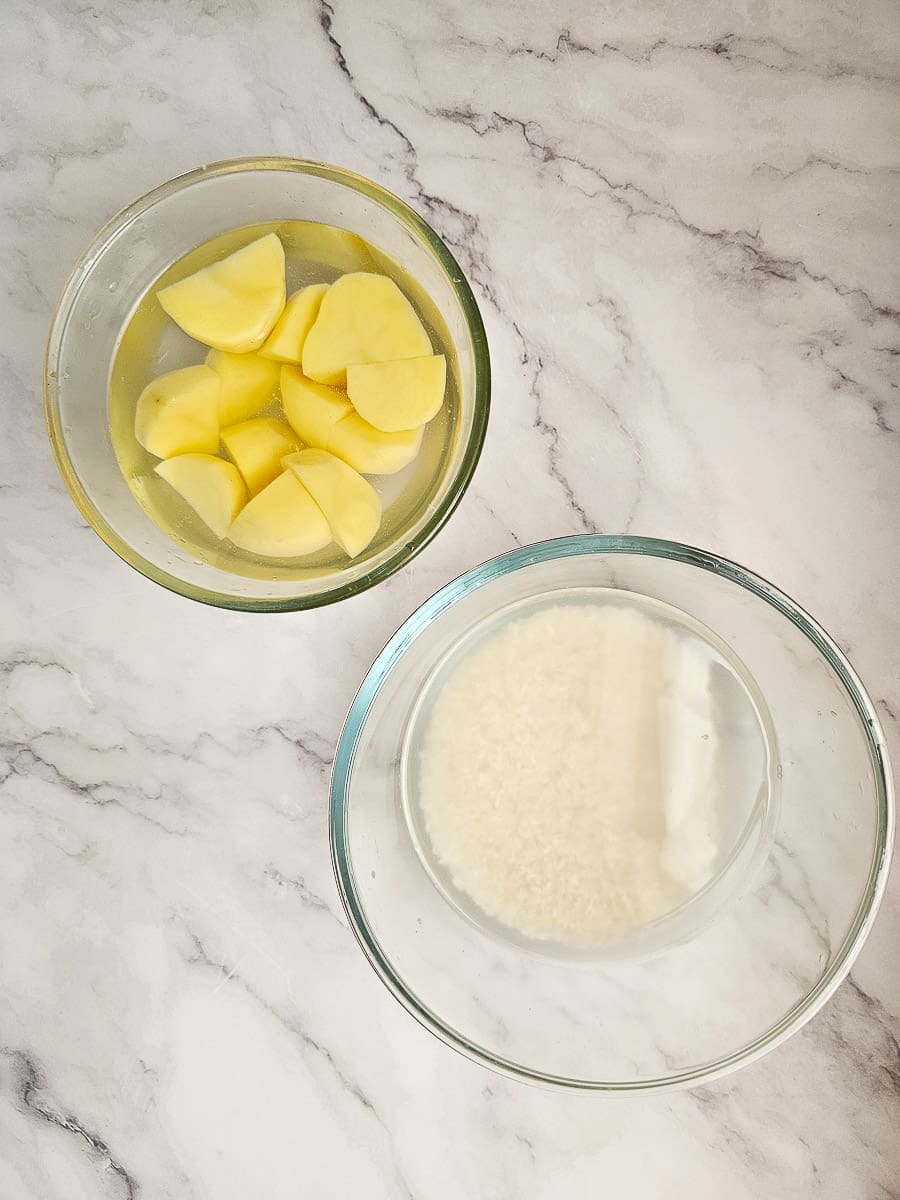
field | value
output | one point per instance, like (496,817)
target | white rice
(546,772)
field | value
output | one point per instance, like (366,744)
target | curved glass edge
(481,400)
(567,547)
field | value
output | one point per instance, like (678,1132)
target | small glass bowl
(706,989)
(123,263)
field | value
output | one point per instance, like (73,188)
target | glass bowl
(125,260)
(712,987)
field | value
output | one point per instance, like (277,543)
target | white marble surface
(680,223)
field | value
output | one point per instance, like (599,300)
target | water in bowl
(152,344)
(589,772)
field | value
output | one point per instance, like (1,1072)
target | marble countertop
(680,223)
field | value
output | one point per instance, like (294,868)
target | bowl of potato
(267,384)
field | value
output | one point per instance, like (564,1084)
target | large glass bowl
(122,264)
(685,1007)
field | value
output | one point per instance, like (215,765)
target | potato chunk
(337,249)
(398,395)
(232,304)
(370,451)
(210,485)
(249,383)
(257,448)
(285,342)
(311,408)
(351,505)
(283,521)
(364,318)
(178,413)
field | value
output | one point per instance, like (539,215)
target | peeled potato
(178,413)
(285,342)
(311,408)
(233,304)
(351,505)
(210,485)
(281,522)
(364,318)
(248,384)
(258,447)
(335,248)
(370,451)
(322,417)
(398,395)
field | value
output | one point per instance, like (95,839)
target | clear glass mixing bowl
(715,986)
(123,263)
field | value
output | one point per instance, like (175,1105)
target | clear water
(152,344)
(745,784)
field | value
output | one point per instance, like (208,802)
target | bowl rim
(582,544)
(407,549)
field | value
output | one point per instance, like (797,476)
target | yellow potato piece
(283,521)
(370,451)
(258,447)
(364,318)
(178,413)
(335,248)
(351,505)
(249,383)
(233,304)
(398,395)
(285,342)
(311,408)
(210,485)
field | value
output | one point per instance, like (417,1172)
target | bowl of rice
(611,813)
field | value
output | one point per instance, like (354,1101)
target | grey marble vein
(30,1092)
